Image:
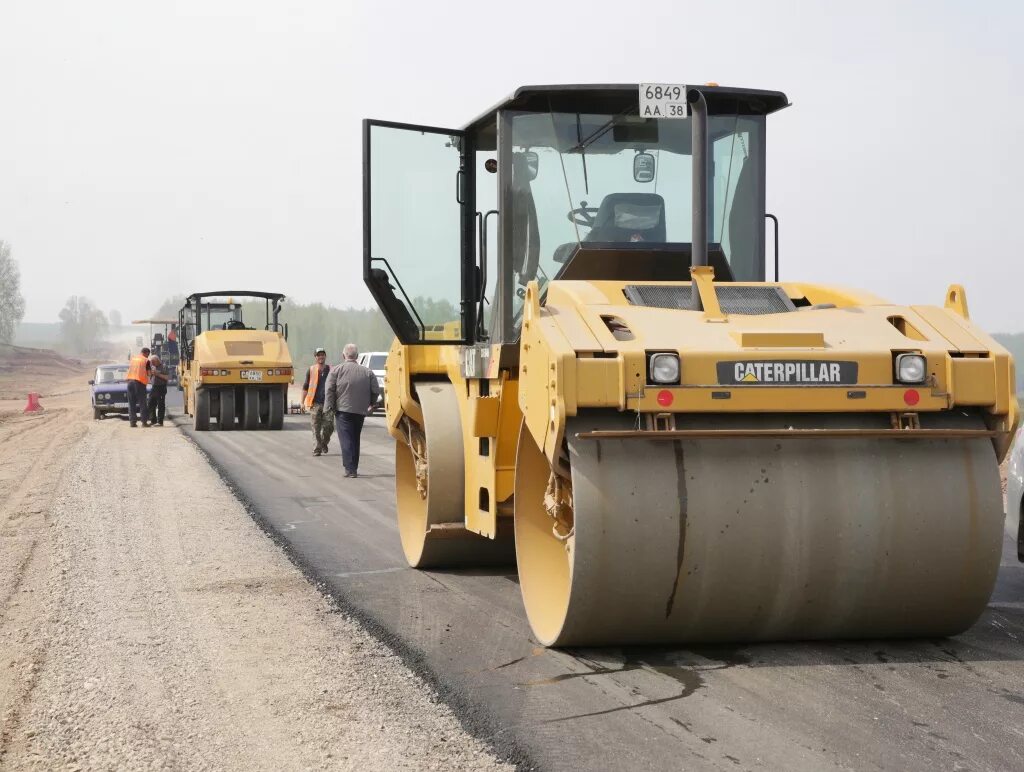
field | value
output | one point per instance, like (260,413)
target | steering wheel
(583,215)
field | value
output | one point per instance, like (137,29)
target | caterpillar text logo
(800,373)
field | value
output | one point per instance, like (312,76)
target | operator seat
(629,217)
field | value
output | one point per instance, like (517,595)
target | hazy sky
(149,148)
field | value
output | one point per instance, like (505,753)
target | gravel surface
(146,622)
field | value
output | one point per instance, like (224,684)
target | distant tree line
(1014,343)
(12,303)
(83,327)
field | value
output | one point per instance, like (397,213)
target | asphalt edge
(475,721)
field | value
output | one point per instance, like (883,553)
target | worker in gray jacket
(352,391)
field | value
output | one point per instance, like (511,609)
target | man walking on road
(351,392)
(137,378)
(314,389)
(158,396)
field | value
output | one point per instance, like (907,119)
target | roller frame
(432,528)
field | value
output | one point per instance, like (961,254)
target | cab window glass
(414,231)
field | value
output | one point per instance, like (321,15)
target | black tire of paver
(201,411)
(250,408)
(226,414)
(276,403)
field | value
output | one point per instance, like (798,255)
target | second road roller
(598,373)
(230,370)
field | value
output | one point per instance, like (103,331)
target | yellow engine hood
(232,348)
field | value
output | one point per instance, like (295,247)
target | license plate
(663,100)
(252,375)
(120,404)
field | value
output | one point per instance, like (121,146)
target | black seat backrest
(629,217)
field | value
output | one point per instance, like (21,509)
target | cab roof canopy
(196,296)
(623,98)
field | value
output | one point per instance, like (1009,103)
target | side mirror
(532,164)
(643,167)
(92,382)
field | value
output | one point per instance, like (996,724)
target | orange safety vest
(137,369)
(314,381)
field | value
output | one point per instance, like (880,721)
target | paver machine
(163,337)
(680,448)
(231,372)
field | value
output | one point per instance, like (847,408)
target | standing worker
(137,378)
(313,392)
(158,396)
(351,392)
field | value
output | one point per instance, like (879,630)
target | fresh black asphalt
(921,704)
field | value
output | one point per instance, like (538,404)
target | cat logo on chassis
(807,372)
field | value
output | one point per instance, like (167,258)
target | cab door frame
(463,187)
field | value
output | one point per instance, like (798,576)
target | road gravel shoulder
(147,622)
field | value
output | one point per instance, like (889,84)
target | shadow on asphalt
(992,639)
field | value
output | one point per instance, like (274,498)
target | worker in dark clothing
(158,395)
(137,380)
(352,391)
(313,391)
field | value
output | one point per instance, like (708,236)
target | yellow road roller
(231,372)
(595,376)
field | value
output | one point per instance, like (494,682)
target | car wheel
(96,414)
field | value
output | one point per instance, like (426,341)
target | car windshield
(377,361)
(111,374)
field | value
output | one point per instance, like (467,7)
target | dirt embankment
(146,622)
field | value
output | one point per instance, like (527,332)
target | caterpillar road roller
(230,372)
(593,375)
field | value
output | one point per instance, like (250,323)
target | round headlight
(910,368)
(664,368)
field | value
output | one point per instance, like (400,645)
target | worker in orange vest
(138,378)
(313,402)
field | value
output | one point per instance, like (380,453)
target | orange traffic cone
(33,405)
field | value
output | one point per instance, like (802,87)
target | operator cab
(204,311)
(557,182)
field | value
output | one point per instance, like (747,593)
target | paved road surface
(930,704)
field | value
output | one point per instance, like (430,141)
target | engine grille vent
(243,348)
(733,299)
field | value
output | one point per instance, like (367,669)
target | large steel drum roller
(760,539)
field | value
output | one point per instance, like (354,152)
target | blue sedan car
(1015,489)
(110,390)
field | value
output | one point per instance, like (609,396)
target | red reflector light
(665,398)
(911,397)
